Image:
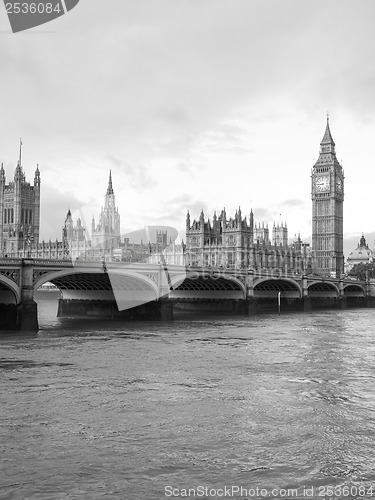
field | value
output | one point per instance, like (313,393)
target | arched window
(12,215)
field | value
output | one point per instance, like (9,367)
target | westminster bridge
(153,291)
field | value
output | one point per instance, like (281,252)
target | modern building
(327,194)
(19,212)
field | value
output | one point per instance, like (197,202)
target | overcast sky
(193,104)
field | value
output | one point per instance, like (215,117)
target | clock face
(322,183)
(339,185)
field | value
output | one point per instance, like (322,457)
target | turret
(37,177)
(36,205)
(215,223)
(251,220)
(68,226)
(201,220)
(224,217)
(2,174)
(18,173)
(239,215)
(68,219)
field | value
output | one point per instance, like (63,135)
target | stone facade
(236,242)
(327,193)
(173,254)
(19,212)
(106,241)
(106,234)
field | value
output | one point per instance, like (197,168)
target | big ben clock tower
(327,194)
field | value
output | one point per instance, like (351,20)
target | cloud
(296,202)
(136,175)
(224,138)
(262,215)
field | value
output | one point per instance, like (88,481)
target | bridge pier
(343,302)
(27,316)
(307,307)
(369,301)
(306,299)
(165,307)
(27,309)
(251,303)
(22,316)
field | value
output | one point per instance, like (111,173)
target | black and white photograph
(187,249)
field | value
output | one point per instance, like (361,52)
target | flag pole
(20,150)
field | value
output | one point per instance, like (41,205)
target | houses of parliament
(225,241)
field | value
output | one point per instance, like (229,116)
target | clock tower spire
(327,194)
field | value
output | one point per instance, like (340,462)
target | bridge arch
(10,292)
(209,285)
(270,287)
(323,289)
(127,288)
(354,290)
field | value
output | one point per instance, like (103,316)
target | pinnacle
(110,187)
(327,138)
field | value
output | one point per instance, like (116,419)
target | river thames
(146,411)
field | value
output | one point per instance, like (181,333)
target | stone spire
(327,153)
(327,145)
(18,172)
(110,188)
(327,138)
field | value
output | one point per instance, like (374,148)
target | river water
(145,411)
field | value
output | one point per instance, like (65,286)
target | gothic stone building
(106,234)
(105,240)
(237,243)
(19,213)
(327,194)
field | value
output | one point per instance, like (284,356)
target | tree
(363,271)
